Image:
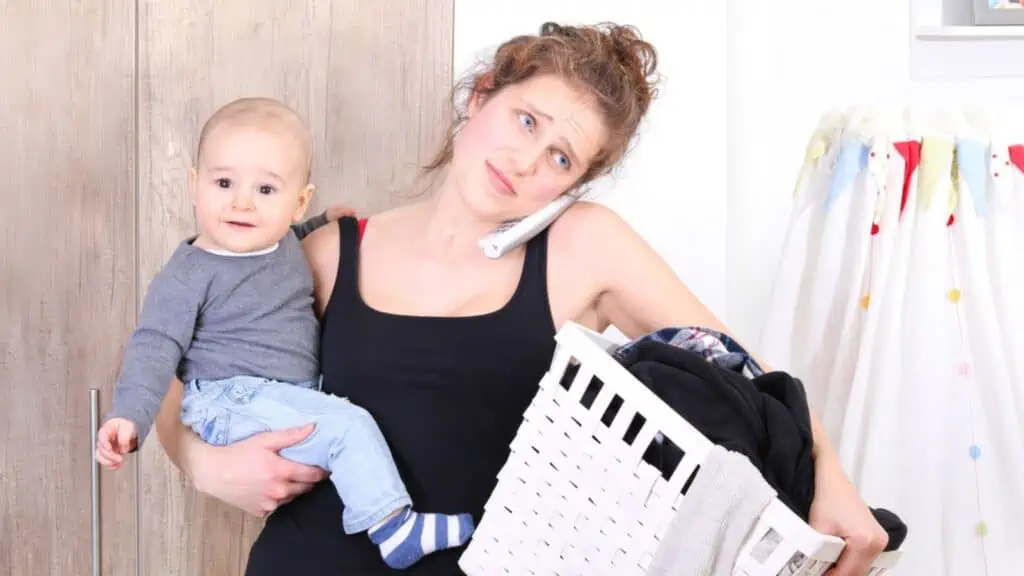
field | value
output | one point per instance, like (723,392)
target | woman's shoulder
(323,248)
(586,246)
(323,245)
(325,240)
(588,217)
(590,230)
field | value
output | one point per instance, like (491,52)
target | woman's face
(524,146)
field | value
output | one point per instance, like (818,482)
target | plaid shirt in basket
(713,345)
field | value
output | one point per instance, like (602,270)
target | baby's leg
(348,443)
(215,410)
(363,470)
(406,537)
(345,440)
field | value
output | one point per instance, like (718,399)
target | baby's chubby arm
(154,351)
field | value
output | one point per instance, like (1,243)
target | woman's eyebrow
(537,111)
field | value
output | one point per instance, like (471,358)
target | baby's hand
(115,439)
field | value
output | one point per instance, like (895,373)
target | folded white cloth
(715,517)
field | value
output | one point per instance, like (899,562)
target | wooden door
(371,77)
(67,277)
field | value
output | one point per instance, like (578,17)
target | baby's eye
(223,182)
(266,189)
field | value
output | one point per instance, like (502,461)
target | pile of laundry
(761,426)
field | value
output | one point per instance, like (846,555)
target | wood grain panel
(386,108)
(371,77)
(67,276)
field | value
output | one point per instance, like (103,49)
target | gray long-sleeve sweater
(209,316)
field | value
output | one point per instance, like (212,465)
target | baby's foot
(409,536)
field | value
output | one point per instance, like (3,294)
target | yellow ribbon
(953,199)
(816,148)
(936,159)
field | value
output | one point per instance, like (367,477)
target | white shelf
(945,45)
(971,33)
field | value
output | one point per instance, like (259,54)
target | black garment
(893,526)
(769,421)
(448,394)
(766,419)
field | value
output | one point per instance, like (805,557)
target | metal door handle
(94,423)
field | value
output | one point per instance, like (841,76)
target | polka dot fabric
(898,302)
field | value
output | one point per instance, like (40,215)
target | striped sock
(409,535)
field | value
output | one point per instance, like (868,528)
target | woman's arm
(249,474)
(179,443)
(638,292)
(323,252)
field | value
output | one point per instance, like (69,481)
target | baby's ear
(305,197)
(193,178)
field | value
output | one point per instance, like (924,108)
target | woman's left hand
(838,510)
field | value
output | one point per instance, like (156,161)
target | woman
(445,347)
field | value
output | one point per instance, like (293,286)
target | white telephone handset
(515,233)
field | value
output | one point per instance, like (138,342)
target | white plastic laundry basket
(575,498)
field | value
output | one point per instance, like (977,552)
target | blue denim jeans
(346,441)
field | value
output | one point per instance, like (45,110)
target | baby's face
(250,186)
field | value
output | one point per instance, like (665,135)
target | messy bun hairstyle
(609,62)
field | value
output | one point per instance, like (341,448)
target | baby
(231,314)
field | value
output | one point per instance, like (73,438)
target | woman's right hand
(251,475)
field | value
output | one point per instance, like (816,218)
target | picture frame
(998,13)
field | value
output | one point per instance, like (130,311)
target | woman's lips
(499,181)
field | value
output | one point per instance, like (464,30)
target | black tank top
(448,394)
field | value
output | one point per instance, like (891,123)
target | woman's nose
(527,159)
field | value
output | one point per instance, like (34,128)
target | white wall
(672,188)
(789,62)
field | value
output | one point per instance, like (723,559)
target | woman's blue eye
(526,120)
(562,160)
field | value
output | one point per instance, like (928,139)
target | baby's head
(250,181)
